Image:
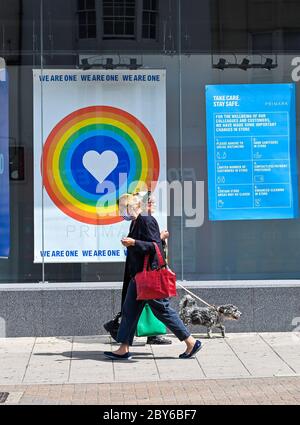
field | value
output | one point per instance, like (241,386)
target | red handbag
(155,284)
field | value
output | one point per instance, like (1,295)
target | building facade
(251,263)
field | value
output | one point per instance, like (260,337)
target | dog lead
(195,296)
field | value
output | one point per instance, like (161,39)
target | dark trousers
(132,310)
(124,292)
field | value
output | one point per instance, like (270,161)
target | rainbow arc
(98,129)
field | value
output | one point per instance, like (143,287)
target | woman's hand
(164,234)
(128,242)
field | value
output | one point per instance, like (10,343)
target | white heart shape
(100,165)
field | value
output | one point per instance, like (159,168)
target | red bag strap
(161,261)
(146,260)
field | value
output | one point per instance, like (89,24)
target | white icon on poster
(259,179)
(257,202)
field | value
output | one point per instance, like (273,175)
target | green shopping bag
(148,324)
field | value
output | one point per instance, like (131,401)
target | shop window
(149,29)
(87,19)
(291,39)
(262,42)
(119,19)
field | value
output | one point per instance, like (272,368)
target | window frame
(149,25)
(124,36)
(84,12)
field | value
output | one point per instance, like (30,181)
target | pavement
(243,368)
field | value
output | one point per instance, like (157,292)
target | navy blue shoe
(113,356)
(196,348)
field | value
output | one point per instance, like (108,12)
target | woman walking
(148,202)
(144,232)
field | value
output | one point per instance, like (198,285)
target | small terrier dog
(211,317)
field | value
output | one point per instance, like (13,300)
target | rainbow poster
(97,134)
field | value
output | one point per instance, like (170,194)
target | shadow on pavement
(98,355)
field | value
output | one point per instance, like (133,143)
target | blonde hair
(129,199)
(124,198)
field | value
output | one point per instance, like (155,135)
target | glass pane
(108,27)
(262,41)
(231,249)
(129,28)
(67,53)
(130,11)
(108,11)
(147,4)
(81,4)
(82,31)
(20,35)
(145,31)
(154,4)
(91,17)
(153,19)
(90,4)
(119,27)
(91,31)
(152,31)
(119,11)
(146,18)
(82,18)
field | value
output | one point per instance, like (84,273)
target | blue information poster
(251,151)
(4,165)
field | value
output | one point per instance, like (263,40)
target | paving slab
(12,370)
(49,361)
(14,357)
(88,364)
(217,359)
(171,367)
(257,356)
(141,365)
(286,346)
(16,345)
